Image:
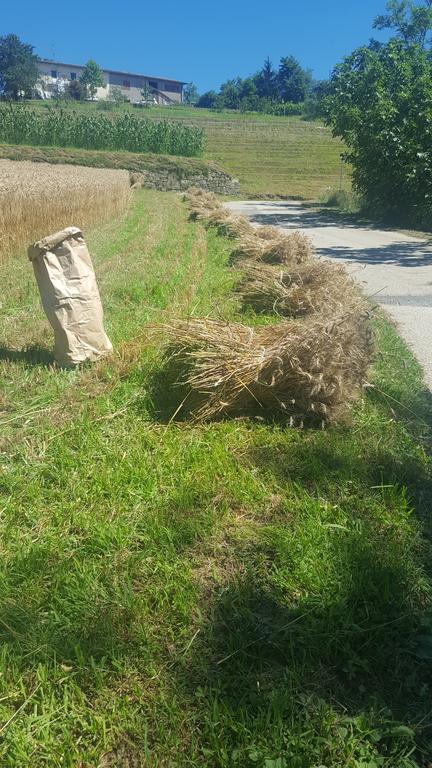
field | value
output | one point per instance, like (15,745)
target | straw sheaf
(306,370)
(270,244)
(201,204)
(204,206)
(267,232)
(311,287)
(289,249)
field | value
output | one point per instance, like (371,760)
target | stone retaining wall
(166,181)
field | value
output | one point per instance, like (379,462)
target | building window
(126,83)
(153,84)
(73,75)
(172,87)
(54,73)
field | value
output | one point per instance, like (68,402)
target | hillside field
(231,594)
(281,156)
(272,156)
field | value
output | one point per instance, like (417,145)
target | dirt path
(395,269)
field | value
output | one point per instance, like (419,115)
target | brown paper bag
(70,296)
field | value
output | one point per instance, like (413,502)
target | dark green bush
(380,104)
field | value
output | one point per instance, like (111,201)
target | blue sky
(199,41)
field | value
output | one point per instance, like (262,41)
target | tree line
(289,84)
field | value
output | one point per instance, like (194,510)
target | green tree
(92,78)
(207,100)
(117,96)
(18,68)
(190,93)
(380,104)
(229,94)
(266,81)
(293,81)
(147,95)
(411,21)
(75,90)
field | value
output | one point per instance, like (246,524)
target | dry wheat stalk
(312,287)
(38,198)
(309,369)
(288,248)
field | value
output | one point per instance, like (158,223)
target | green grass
(271,156)
(235,594)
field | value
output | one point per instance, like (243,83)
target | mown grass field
(272,156)
(230,594)
(277,156)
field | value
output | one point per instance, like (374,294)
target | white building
(55,76)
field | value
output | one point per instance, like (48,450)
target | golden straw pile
(307,288)
(306,368)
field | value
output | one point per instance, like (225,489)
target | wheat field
(37,199)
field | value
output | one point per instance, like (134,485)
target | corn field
(37,199)
(64,128)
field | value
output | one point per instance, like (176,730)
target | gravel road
(394,269)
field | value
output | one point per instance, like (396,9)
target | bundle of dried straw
(304,369)
(268,244)
(291,248)
(312,287)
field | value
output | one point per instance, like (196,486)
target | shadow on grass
(275,670)
(327,461)
(413,408)
(77,619)
(33,355)
(356,647)
(168,398)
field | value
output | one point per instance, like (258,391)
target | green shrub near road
(380,104)
(56,127)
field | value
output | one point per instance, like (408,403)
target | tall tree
(190,93)
(230,94)
(293,80)
(92,78)
(266,81)
(411,21)
(75,91)
(208,100)
(18,68)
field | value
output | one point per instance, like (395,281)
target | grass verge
(229,594)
